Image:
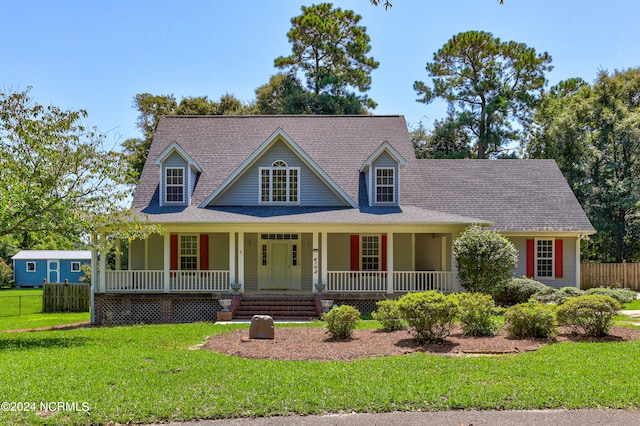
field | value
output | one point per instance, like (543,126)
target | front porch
(218,282)
(306,262)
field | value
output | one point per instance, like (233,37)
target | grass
(20,308)
(633,305)
(145,374)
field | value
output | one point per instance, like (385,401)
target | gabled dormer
(382,176)
(279,173)
(178,175)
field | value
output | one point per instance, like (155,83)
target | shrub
(430,315)
(476,312)
(485,259)
(341,321)
(622,295)
(571,291)
(531,319)
(592,314)
(388,315)
(517,290)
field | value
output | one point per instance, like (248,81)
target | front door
(279,264)
(53,271)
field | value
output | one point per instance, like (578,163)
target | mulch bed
(305,343)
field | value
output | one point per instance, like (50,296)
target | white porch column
(578,275)
(232,258)
(166,263)
(390,262)
(103,264)
(241,260)
(315,261)
(95,282)
(324,259)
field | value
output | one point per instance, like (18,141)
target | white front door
(53,271)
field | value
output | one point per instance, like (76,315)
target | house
(32,267)
(284,206)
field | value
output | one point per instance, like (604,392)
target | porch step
(277,307)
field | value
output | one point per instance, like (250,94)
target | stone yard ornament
(261,327)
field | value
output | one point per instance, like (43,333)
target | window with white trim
(385,185)
(75,266)
(174,185)
(31,266)
(279,183)
(188,252)
(370,252)
(544,258)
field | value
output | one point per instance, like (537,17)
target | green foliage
(476,314)
(388,315)
(517,290)
(341,321)
(531,319)
(485,259)
(449,138)
(57,177)
(430,315)
(490,81)
(85,268)
(593,133)
(556,296)
(622,295)
(591,314)
(6,274)
(331,48)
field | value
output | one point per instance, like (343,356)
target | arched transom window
(279,183)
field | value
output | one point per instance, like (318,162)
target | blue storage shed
(32,267)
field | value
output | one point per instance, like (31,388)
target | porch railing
(199,281)
(153,281)
(357,281)
(134,281)
(411,281)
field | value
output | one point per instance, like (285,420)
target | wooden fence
(626,275)
(64,297)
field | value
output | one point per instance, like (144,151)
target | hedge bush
(341,321)
(622,295)
(388,315)
(531,319)
(430,315)
(476,312)
(485,259)
(590,314)
(517,290)
(557,297)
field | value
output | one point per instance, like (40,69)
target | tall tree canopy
(491,82)
(57,177)
(447,139)
(331,49)
(593,133)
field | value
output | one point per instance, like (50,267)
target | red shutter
(531,256)
(384,252)
(204,252)
(355,252)
(174,252)
(558,259)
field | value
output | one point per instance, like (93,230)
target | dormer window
(385,185)
(174,185)
(279,184)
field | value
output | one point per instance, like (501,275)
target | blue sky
(96,55)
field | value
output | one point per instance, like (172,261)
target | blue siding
(24,278)
(313,191)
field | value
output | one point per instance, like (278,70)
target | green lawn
(153,373)
(22,309)
(15,302)
(635,305)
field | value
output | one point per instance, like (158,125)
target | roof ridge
(285,115)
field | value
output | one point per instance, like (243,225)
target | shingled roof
(513,195)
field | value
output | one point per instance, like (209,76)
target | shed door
(53,271)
